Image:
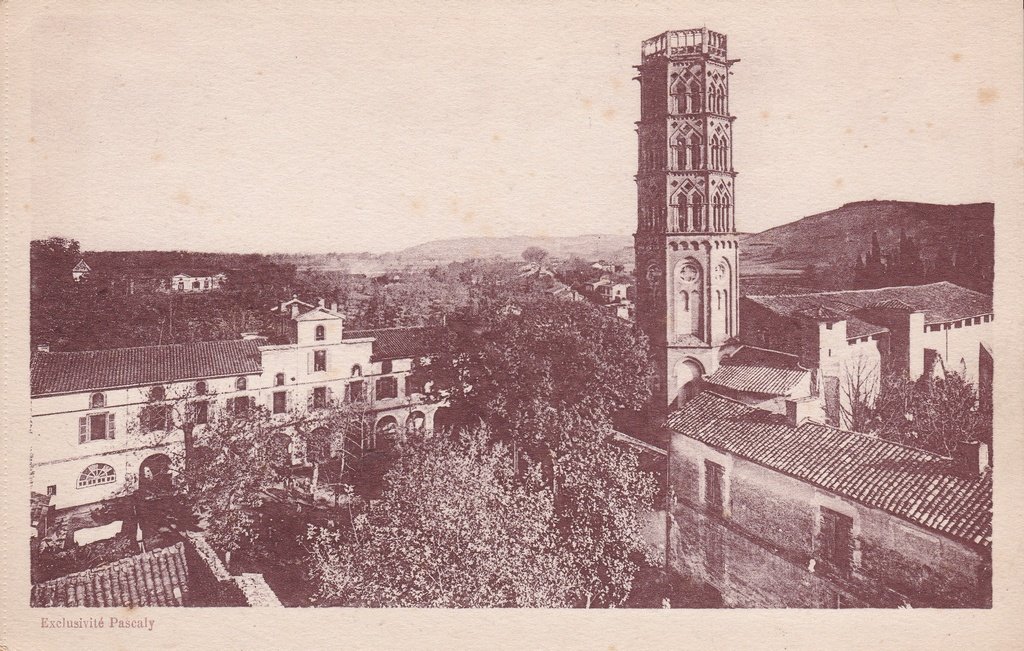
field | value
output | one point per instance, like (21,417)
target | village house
(197,282)
(94,436)
(80,271)
(850,338)
(777,510)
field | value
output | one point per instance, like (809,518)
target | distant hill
(956,242)
(829,242)
(589,247)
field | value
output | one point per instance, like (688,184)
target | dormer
(306,324)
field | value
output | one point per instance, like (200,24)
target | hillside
(618,248)
(831,241)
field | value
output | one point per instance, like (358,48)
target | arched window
(693,103)
(240,384)
(279,380)
(200,388)
(97,401)
(321,333)
(157,393)
(357,370)
(96,474)
(695,211)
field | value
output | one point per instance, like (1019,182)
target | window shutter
(110,426)
(252,402)
(231,406)
(327,396)
(83,435)
(309,362)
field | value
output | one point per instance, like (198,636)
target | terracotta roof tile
(399,343)
(120,367)
(919,486)
(154,578)
(941,302)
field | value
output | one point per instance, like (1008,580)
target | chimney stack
(800,410)
(43,348)
(320,302)
(334,306)
(971,458)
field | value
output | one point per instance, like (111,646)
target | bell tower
(685,242)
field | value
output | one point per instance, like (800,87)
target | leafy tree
(530,370)
(459,526)
(535,255)
(455,528)
(603,502)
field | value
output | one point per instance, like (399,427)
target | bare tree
(858,386)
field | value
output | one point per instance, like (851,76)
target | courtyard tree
(459,526)
(533,368)
(455,527)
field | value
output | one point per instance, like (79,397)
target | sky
(322,127)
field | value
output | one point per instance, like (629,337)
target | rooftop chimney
(971,458)
(800,410)
(320,302)
(43,348)
(295,310)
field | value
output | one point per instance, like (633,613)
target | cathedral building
(771,504)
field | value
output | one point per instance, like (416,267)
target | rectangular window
(97,427)
(412,386)
(319,397)
(280,402)
(201,412)
(239,406)
(958,324)
(837,540)
(387,387)
(977,320)
(355,391)
(319,360)
(386,366)
(714,496)
(155,418)
(51,489)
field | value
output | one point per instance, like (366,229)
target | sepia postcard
(511,325)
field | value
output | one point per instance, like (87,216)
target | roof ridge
(839,292)
(150,347)
(867,435)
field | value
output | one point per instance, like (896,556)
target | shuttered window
(96,427)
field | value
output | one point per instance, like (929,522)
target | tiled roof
(758,379)
(940,302)
(155,578)
(754,356)
(919,486)
(119,367)
(399,343)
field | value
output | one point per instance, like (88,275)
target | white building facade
(94,436)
